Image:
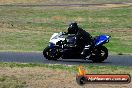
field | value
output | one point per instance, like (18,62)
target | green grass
(29,29)
(11,82)
(61,1)
(91,69)
(23,75)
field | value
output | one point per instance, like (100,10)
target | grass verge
(60,1)
(30,28)
(73,68)
(29,75)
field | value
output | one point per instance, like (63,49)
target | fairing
(101,39)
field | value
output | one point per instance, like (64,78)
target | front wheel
(51,54)
(99,54)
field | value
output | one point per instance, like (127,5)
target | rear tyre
(99,54)
(51,54)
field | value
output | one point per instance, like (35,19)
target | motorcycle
(59,41)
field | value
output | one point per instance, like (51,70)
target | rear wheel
(51,54)
(99,54)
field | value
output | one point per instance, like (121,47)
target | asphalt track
(33,57)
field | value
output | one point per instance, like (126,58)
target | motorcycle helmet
(73,28)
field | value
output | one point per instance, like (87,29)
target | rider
(82,37)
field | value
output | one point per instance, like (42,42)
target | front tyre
(99,54)
(51,54)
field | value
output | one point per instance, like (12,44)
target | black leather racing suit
(82,38)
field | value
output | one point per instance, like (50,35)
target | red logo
(83,78)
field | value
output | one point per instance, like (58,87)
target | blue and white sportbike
(95,52)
